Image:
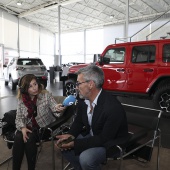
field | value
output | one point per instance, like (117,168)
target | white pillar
(127,20)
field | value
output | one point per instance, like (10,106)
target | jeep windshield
(29,61)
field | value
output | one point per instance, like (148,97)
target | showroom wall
(117,31)
(32,40)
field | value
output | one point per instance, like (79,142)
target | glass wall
(72,46)
(32,41)
(94,44)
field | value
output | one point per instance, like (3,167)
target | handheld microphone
(69,100)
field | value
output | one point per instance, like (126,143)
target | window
(143,54)
(166,53)
(29,62)
(116,55)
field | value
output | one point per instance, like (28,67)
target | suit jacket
(109,123)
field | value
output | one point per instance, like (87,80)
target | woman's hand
(64,146)
(24,133)
(60,108)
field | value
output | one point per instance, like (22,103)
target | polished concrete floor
(8,102)
(45,163)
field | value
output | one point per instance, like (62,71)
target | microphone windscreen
(69,100)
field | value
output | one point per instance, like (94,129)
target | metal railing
(130,38)
(157,29)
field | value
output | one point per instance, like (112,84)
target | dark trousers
(29,148)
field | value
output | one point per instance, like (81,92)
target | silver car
(18,67)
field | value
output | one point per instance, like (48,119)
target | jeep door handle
(148,70)
(120,70)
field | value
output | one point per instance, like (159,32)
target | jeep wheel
(161,99)
(13,85)
(70,87)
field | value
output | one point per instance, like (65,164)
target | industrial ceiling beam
(46,6)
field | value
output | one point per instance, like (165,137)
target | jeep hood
(75,68)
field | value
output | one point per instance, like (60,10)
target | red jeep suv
(134,68)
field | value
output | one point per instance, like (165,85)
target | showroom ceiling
(76,15)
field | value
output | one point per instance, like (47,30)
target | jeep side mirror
(96,57)
(100,60)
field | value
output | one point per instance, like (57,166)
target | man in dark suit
(100,120)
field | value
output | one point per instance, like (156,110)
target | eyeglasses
(79,83)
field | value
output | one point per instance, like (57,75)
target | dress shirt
(90,109)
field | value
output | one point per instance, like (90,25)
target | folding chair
(143,126)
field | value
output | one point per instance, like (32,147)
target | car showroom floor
(8,102)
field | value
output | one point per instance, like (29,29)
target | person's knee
(86,161)
(92,158)
(83,161)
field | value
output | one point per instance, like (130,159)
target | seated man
(100,119)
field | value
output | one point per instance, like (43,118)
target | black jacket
(109,123)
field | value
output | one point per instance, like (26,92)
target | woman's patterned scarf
(32,108)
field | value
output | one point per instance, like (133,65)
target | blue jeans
(89,159)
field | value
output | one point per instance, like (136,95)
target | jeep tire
(161,99)
(70,87)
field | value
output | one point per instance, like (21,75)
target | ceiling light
(111,16)
(44,7)
(19,3)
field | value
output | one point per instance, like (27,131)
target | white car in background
(18,67)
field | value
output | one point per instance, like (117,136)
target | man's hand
(24,133)
(62,144)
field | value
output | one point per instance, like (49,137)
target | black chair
(143,124)
(7,125)
(58,127)
(8,129)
